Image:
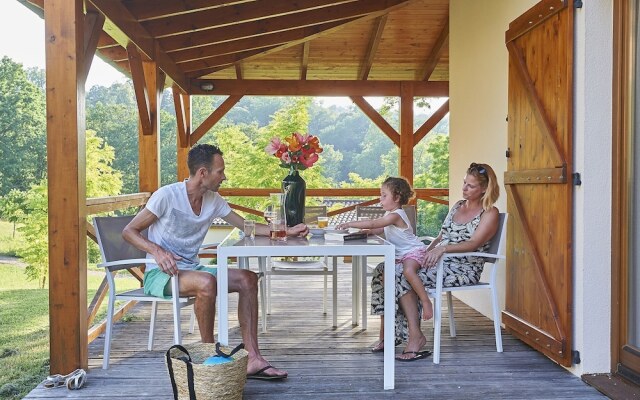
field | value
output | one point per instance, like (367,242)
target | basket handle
(225,355)
(187,361)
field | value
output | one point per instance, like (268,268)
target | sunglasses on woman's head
(479,168)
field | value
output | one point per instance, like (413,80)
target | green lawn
(24,328)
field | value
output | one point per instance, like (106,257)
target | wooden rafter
(284,87)
(430,123)
(251,43)
(140,88)
(184,130)
(124,25)
(145,9)
(238,71)
(377,119)
(372,47)
(364,11)
(93,22)
(253,11)
(436,52)
(304,62)
(212,119)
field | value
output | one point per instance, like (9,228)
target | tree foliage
(22,129)
(102,180)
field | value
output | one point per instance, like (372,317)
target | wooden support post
(406,132)
(65,73)
(182,103)
(149,141)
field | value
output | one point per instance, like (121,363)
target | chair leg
(192,320)
(152,324)
(334,280)
(108,333)
(496,319)
(437,319)
(324,293)
(452,320)
(263,300)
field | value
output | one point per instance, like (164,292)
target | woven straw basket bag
(191,380)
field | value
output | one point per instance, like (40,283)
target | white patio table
(235,245)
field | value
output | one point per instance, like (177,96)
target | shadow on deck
(334,363)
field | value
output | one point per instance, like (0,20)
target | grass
(24,328)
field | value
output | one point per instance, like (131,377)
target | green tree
(431,214)
(22,129)
(101,180)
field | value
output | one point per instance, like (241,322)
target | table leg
(335,292)
(363,292)
(354,291)
(223,300)
(389,320)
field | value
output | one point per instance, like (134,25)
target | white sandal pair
(72,381)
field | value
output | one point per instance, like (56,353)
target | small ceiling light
(206,86)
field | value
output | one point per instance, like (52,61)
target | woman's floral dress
(458,271)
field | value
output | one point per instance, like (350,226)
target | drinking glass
(249,229)
(323,222)
(278,229)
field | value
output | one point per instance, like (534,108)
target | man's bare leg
(246,284)
(203,286)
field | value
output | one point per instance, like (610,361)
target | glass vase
(294,187)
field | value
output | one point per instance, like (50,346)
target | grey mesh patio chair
(495,253)
(118,254)
(313,267)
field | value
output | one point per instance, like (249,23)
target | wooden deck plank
(332,363)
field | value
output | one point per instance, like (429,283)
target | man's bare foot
(413,347)
(427,310)
(259,368)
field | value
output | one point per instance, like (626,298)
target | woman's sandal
(378,347)
(72,381)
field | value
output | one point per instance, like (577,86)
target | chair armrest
(206,246)
(429,239)
(112,266)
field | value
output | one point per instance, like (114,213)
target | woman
(469,226)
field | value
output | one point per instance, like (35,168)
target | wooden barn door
(538,179)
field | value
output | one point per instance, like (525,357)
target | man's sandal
(72,381)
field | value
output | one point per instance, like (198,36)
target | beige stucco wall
(478,99)
(478,132)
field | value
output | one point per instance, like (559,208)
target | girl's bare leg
(410,270)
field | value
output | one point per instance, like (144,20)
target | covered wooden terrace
(332,363)
(353,48)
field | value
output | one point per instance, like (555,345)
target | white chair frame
(319,267)
(495,253)
(111,266)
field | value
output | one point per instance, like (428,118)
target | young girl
(410,251)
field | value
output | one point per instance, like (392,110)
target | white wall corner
(592,200)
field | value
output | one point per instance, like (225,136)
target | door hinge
(507,153)
(577,4)
(575,356)
(577,181)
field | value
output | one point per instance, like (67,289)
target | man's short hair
(201,155)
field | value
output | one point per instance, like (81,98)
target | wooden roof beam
(145,9)
(372,47)
(373,10)
(93,22)
(223,16)
(213,119)
(123,27)
(304,62)
(256,28)
(377,119)
(283,87)
(251,43)
(436,52)
(430,123)
(140,88)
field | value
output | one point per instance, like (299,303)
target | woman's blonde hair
(487,178)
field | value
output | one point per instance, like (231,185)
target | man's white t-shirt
(178,229)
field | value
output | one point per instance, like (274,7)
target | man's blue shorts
(157,283)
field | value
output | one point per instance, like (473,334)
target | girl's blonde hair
(399,187)
(487,178)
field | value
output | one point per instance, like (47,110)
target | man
(178,217)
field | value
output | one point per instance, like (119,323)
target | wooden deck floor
(335,364)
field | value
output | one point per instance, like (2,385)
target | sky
(22,40)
